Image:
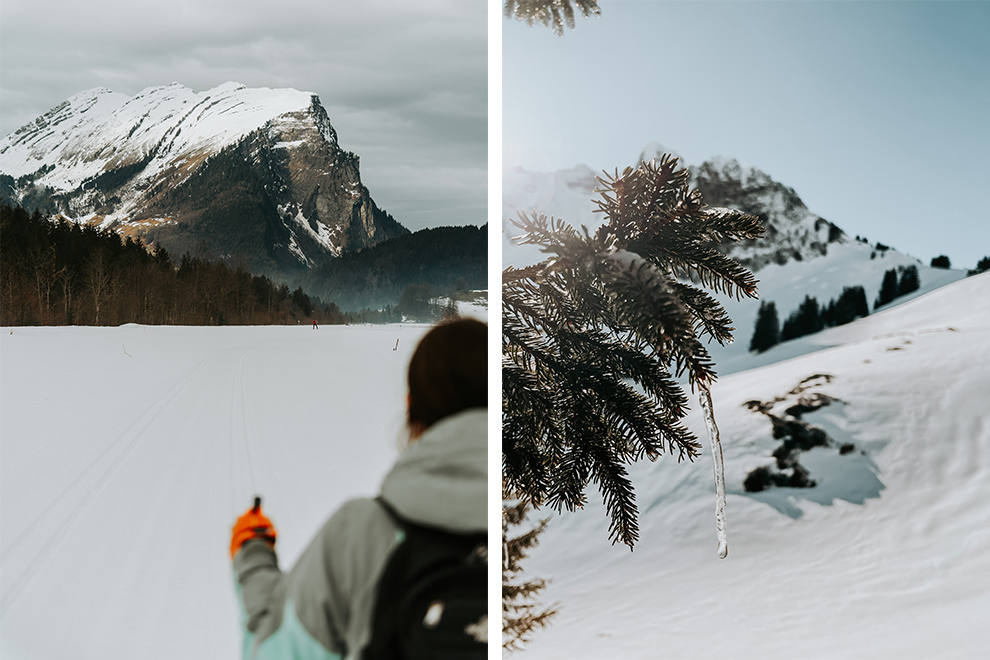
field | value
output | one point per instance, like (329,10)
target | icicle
(706,406)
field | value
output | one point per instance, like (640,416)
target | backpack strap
(384,642)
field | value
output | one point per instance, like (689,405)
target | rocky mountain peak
(793,231)
(253,175)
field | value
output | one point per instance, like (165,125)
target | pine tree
(909,281)
(850,306)
(805,320)
(302,301)
(832,313)
(594,336)
(521,614)
(766,332)
(551,13)
(855,298)
(941,261)
(888,288)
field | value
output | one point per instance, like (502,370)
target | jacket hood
(441,479)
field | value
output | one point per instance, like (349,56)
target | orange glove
(252,525)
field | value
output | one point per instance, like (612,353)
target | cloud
(404,81)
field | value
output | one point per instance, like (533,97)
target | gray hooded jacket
(322,608)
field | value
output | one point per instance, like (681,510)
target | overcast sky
(404,81)
(876,113)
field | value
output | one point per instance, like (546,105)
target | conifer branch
(521,615)
(709,315)
(554,14)
(594,334)
(620,500)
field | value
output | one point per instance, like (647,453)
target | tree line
(55,272)
(810,317)
(441,259)
(897,283)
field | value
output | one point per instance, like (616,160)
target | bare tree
(67,281)
(11,307)
(100,281)
(42,263)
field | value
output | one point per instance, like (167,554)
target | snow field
(128,452)
(845,265)
(885,558)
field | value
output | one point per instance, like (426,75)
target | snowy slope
(476,308)
(824,278)
(128,452)
(885,558)
(567,194)
(99,129)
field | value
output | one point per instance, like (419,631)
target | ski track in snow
(83,494)
(123,471)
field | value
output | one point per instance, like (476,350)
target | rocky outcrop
(792,231)
(283,199)
(796,436)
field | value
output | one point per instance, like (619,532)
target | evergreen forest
(54,272)
(445,259)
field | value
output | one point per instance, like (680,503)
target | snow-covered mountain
(801,254)
(245,174)
(884,558)
(793,232)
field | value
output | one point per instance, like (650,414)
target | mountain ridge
(793,231)
(802,254)
(255,175)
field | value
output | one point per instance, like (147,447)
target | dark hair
(448,372)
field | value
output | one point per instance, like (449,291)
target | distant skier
(315,327)
(347,593)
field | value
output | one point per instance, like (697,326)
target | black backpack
(432,599)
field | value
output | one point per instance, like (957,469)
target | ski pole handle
(252,525)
